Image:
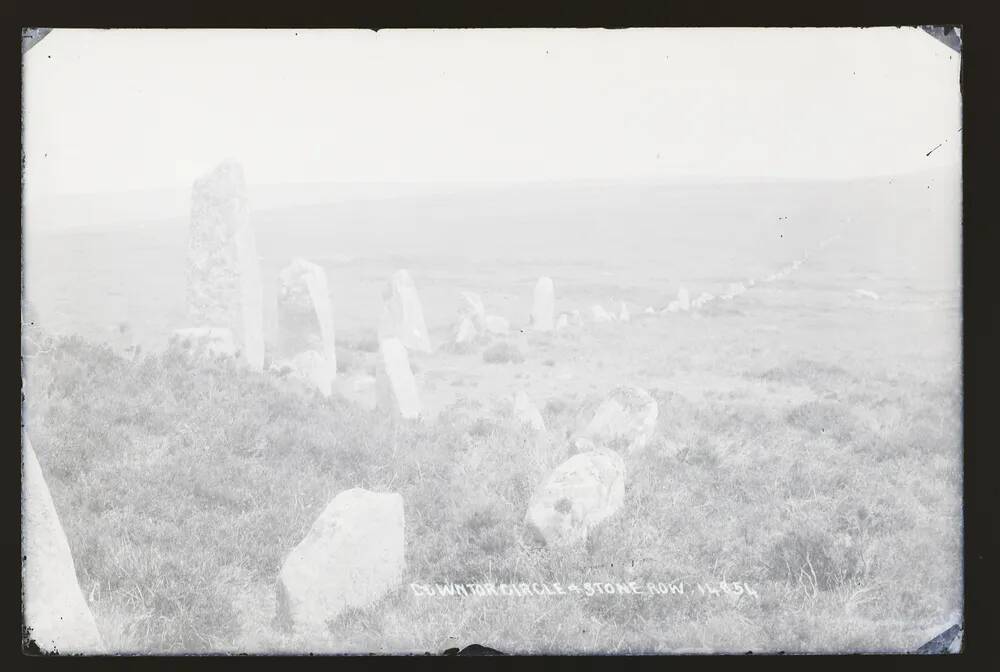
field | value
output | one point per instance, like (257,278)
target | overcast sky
(111,110)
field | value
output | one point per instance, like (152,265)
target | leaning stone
(216,341)
(223,269)
(544,305)
(526,413)
(352,556)
(626,418)
(402,313)
(395,386)
(305,319)
(55,611)
(579,494)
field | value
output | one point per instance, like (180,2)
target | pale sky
(113,110)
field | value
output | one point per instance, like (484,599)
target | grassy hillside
(182,483)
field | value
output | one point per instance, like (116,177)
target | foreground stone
(216,341)
(626,419)
(526,413)
(223,269)
(395,387)
(55,611)
(403,314)
(543,310)
(352,556)
(578,495)
(305,323)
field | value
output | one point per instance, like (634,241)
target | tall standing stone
(543,309)
(402,313)
(683,299)
(55,611)
(224,285)
(305,323)
(353,554)
(395,386)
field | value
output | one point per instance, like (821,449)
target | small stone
(628,416)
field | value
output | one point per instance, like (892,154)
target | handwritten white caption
(712,588)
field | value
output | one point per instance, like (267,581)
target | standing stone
(497,325)
(576,318)
(403,314)
(563,322)
(683,299)
(224,285)
(465,331)
(395,387)
(542,313)
(474,309)
(352,556)
(55,611)
(526,413)
(305,324)
(623,314)
(578,495)
(626,419)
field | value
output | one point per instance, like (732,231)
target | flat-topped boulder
(578,495)
(543,309)
(395,386)
(626,420)
(55,611)
(353,555)
(223,268)
(403,314)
